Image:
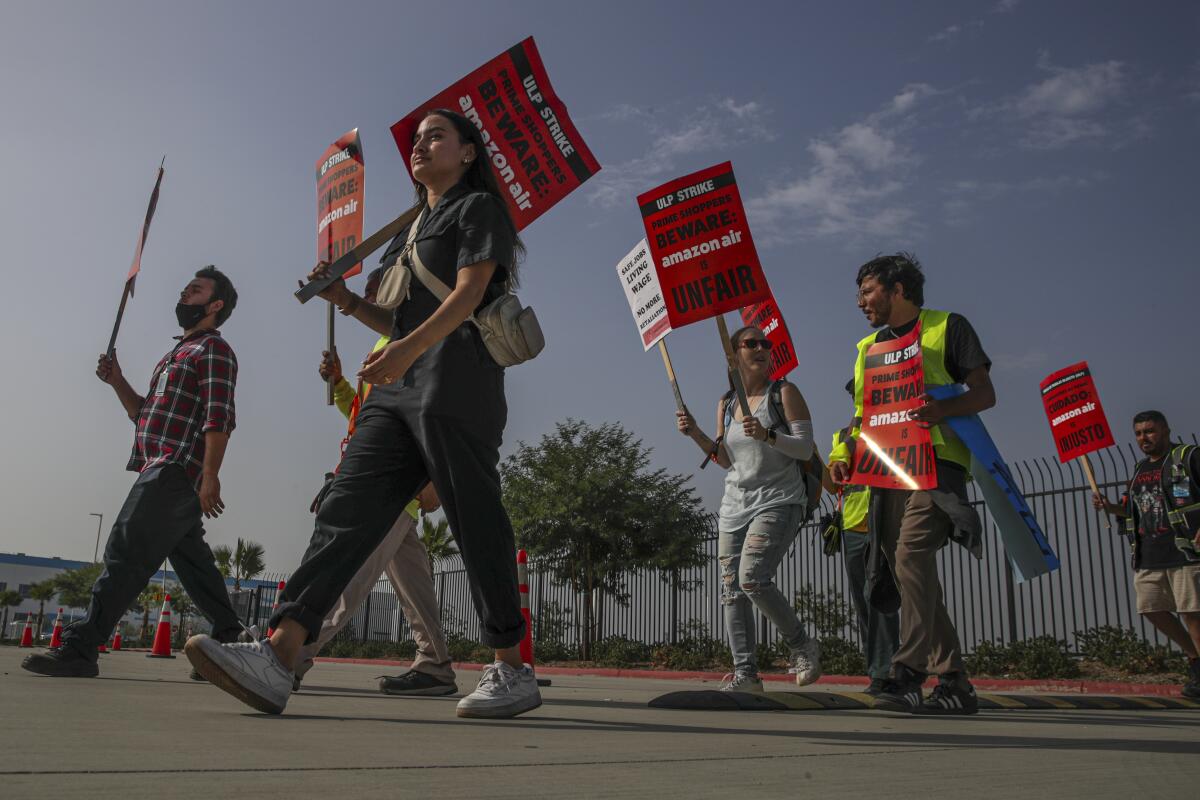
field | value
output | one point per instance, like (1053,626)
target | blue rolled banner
(1026,545)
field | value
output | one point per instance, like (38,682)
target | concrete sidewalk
(143,729)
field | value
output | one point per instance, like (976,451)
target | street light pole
(99,526)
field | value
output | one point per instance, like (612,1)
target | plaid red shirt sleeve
(216,374)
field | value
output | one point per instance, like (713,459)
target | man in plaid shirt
(183,425)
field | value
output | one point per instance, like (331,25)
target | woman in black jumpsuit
(436,413)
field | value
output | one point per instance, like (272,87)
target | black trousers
(395,449)
(160,520)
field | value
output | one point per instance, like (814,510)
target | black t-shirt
(1155,538)
(964,351)
(465,228)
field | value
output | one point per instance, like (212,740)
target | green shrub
(1123,649)
(827,612)
(841,657)
(554,651)
(771,655)
(620,651)
(1043,657)
(346,647)
(1036,659)
(468,650)
(989,658)
(695,650)
(551,626)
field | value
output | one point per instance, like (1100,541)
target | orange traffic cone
(523,588)
(275,605)
(27,634)
(56,636)
(117,639)
(162,634)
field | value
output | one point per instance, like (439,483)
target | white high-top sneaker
(741,682)
(502,692)
(250,671)
(806,663)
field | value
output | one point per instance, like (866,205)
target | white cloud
(946,34)
(709,127)
(854,184)
(952,32)
(1073,92)
(1073,105)
(1005,6)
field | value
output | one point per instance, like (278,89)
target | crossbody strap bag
(511,333)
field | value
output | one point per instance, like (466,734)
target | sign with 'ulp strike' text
(700,243)
(340,193)
(766,315)
(644,295)
(1073,409)
(536,152)
(899,452)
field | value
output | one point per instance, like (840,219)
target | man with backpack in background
(1161,509)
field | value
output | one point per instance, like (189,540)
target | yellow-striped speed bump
(710,700)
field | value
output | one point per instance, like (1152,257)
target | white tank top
(759,477)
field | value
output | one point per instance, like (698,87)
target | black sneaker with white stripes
(954,694)
(902,691)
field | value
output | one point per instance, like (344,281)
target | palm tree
(439,544)
(9,598)
(42,591)
(181,607)
(151,596)
(243,563)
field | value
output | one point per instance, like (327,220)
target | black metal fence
(1093,587)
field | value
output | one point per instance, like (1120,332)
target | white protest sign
(642,290)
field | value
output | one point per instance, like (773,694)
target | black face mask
(189,316)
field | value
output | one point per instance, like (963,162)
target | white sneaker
(250,671)
(806,663)
(737,682)
(502,692)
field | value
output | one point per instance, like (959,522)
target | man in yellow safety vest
(908,527)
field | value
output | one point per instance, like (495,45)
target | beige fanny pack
(511,333)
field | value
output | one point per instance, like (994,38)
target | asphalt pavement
(144,729)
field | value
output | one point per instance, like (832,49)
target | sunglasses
(754,344)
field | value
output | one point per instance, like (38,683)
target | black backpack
(812,469)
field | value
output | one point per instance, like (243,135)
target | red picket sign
(1073,409)
(898,453)
(700,242)
(537,154)
(340,192)
(766,315)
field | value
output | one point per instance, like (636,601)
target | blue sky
(1038,157)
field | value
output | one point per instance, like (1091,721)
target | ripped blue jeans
(749,558)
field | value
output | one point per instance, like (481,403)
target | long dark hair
(479,177)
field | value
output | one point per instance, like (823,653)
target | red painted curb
(985,684)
